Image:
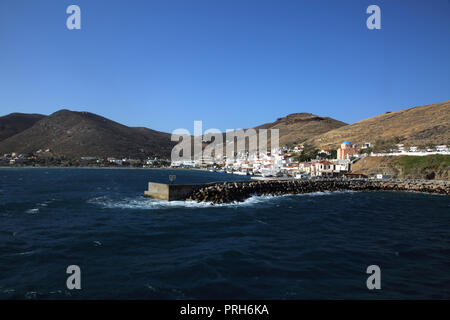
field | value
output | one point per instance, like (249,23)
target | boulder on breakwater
(226,192)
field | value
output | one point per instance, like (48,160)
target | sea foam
(145,203)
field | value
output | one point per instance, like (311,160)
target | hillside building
(346,151)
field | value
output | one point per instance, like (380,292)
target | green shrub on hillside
(433,162)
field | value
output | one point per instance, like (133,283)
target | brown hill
(14,123)
(419,126)
(298,127)
(77,134)
(294,128)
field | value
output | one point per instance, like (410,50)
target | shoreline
(119,168)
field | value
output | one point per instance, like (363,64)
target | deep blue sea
(314,246)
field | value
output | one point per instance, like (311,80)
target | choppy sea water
(314,246)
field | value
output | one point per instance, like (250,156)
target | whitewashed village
(287,162)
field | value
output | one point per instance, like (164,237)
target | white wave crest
(145,203)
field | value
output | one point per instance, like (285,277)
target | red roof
(325,162)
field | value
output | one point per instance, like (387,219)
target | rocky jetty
(226,192)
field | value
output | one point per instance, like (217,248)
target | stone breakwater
(226,192)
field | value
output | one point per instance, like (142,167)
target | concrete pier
(171,192)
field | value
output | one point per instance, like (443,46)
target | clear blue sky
(233,64)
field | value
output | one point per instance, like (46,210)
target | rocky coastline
(227,192)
